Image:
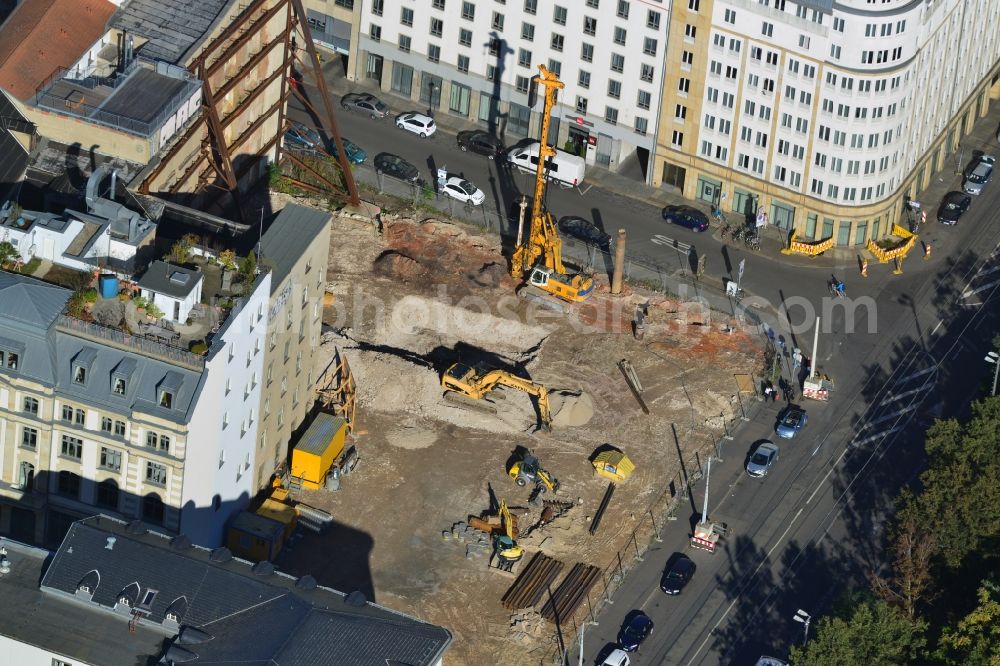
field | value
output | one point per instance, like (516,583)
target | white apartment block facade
(827,116)
(474,59)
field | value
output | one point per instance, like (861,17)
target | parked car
(686,216)
(482,143)
(396,167)
(618,657)
(761,460)
(790,421)
(585,230)
(303,138)
(635,630)
(459,188)
(354,152)
(678,575)
(953,206)
(418,123)
(364,103)
(979,174)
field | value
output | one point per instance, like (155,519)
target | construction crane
(504,546)
(529,470)
(467,388)
(540,251)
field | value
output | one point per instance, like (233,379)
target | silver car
(980,174)
(762,459)
(364,103)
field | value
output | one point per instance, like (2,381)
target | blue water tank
(107,285)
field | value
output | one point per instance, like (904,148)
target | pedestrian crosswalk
(910,383)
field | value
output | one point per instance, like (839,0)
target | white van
(565,169)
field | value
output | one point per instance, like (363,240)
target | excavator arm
(462,379)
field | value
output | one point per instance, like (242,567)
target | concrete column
(616,278)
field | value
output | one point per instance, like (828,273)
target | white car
(421,125)
(618,657)
(979,174)
(459,188)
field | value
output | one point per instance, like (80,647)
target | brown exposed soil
(424,294)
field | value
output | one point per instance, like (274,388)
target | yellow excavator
(529,470)
(504,546)
(466,387)
(540,251)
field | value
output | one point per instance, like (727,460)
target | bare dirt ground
(422,294)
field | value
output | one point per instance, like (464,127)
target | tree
(8,253)
(867,631)
(960,502)
(976,639)
(228,259)
(912,552)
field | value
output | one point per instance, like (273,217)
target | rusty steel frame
(331,128)
(295,158)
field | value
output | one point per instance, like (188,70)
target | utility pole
(994,358)
(616,278)
(805,619)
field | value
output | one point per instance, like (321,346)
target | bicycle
(753,242)
(725,231)
(838,289)
(719,216)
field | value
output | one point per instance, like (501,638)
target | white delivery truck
(565,169)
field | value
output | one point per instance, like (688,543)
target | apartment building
(296,247)
(825,116)
(475,60)
(95,419)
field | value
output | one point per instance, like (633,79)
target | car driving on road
(396,167)
(418,123)
(584,230)
(953,206)
(459,188)
(364,103)
(761,460)
(686,216)
(979,174)
(791,421)
(678,575)
(635,630)
(482,143)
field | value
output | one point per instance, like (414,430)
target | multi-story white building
(824,115)
(95,419)
(475,59)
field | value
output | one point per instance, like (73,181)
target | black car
(635,630)
(953,206)
(686,216)
(396,167)
(584,230)
(481,142)
(678,575)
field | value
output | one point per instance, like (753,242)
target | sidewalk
(943,240)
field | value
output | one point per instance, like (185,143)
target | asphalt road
(815,526)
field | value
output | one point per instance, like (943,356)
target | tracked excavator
(539,252)
(504,546)
(467,388)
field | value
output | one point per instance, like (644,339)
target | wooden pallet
(533,582)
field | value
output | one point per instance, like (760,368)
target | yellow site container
(280,513)
(320,445)
(255,537)
(613,465)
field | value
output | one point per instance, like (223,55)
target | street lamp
(994,358)
(805,619)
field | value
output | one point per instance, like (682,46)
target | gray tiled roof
(251,618)
(65,627)
(287,239)
(30,301)
(172,28)
(160,277)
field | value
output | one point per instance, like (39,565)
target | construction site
(499,437)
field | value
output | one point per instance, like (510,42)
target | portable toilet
(320,445)
(613,464)
(255,537)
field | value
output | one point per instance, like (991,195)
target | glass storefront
(811,226)
(518,119)
(782,215)
(861,232)
(402,79)
(459,98)
(827,229)
(844,233)
(708,190)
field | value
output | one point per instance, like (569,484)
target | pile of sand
(570,408)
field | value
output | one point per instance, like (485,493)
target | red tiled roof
(42,35)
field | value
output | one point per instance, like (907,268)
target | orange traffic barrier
(864,268)
(927,251)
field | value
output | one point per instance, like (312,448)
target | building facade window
(31,405)
(29,438)
(111,459)
(156,473)
(107,494)
(69,484)
(72,447)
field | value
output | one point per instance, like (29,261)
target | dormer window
(166,399)
(12,360)
(121,376)
(10,354)
(118,386)
(166,390)
(82,363)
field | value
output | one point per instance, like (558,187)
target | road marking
(921,373)
(752,576)
(883,419)
(971,292)
(883,434)
(904,394)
